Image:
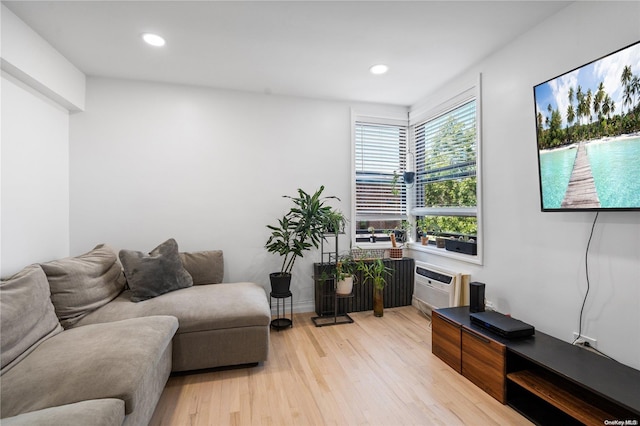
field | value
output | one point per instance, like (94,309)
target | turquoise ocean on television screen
(615,166)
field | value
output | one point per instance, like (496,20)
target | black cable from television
(586,267)
(584,301)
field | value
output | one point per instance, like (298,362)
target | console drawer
(445,341)
(483,363)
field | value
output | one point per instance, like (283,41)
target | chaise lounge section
(220,325)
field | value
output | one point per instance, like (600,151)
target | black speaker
(476,297)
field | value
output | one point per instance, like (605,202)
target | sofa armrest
(205,267)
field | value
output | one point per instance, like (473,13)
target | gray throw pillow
(27,317)
(205,267)
(156,273)
(82,284)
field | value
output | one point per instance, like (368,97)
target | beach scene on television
(588,134)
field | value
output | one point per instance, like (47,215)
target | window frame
(383,119)
(420,116)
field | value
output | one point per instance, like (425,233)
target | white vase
(345,286)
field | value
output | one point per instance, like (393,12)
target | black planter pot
(280,283)
(462,247)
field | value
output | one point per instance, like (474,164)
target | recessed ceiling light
(379,69)
(153,39)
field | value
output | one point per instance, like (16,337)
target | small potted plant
(335,222)
(395,252)
(346,266)
(402,234)
(423,225)
(462,244)
(372,231)
(377,273)
(422,231)
(429,226)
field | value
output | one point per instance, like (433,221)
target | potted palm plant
(300,229)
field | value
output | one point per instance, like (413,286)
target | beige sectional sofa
(75,346)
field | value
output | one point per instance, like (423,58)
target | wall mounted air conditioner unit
(436,287)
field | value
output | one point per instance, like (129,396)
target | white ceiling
(320,49)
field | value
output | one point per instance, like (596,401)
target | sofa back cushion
(82,284)
(27,317)
(205,267)
(156,273)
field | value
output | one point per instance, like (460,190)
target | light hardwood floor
(377,371)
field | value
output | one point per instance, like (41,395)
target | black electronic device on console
(502,325)
(476,297)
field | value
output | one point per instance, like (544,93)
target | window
(446,145)
(380,197)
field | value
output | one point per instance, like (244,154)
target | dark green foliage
(454,192)
(301,228)
(375,271)
(437,225)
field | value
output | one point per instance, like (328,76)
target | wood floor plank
(376,371)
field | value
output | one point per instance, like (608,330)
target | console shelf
(562,395)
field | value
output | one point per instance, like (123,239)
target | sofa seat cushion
(95,412)
(198,308)
(110,360)
(27,316)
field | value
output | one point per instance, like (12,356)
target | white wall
(38,88)
(534,262)
(207,167)
(32,60)
(35,178)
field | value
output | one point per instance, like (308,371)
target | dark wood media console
(547,380)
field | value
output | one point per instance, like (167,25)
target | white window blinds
(446,152)
(380,156)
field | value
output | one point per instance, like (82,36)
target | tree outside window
(446,196)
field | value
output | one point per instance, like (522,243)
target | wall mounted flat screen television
(588,135)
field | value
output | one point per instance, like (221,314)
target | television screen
(588,135)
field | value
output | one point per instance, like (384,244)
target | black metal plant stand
(336,319)
(279,322)
(325,274)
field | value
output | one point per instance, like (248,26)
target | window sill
(477,259)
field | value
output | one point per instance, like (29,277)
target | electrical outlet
(489,306)
(584,339)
